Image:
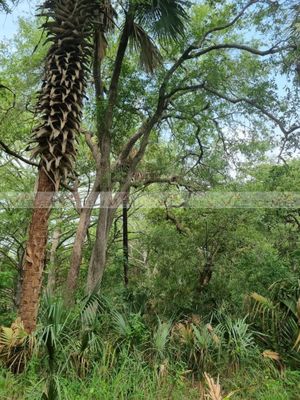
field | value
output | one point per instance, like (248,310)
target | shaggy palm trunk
(69,26)
(35,252)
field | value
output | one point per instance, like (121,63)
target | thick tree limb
(236,46)
(185,89)
(179,227)
(144,131)
(113,89)
(171,180)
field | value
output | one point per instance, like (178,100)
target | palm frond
(279,316)
(92,305)
(121,325)
(161,337)
(164,18)
(150,57)
(16,346)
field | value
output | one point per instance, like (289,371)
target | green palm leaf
(164,19)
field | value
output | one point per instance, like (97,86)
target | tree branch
(185,89)
(186,54)
(252,103)
(16,155)
(179,227)
(113,89)
(236,46)
(229,24)
(93,147)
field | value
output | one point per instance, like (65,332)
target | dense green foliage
(139,359)
(214,220)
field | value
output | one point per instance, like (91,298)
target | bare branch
(236,100)
(16,155)
(144,131)
(229,24)
(131,142)
(171,180)
(236,46)
(76,196)
(221,136)
(113,89)
(179,227)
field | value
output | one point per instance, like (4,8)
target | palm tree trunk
(69,25)
(35,251)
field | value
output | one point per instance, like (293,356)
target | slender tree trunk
(52,267)
(125,241)
(77,251)
(205,275)
(19,280)
(98,259)
(35,251)
(104,125)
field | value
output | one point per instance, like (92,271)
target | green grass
(114,356)
(134,381)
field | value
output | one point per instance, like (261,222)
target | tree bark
(52,267)
(98,259)
(77,250)
(35,251)
(125,241)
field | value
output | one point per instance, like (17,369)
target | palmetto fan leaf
(69,26)
(16,346)
(163,18)
(279,314)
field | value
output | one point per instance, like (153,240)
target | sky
(28,8)
(9,22)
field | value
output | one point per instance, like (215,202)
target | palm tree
(69,25)
(4,5)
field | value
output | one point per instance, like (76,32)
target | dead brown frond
(150,57)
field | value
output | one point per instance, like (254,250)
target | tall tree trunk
(60,105)
(76,257)
(125,241)
(98,259)
(104,125)
(35,251)
(85,216)
(52,265)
